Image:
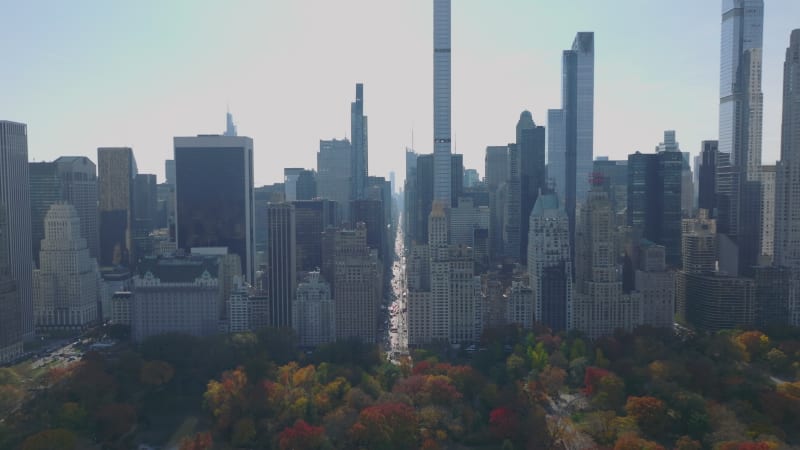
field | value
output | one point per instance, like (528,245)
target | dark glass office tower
(312,218)
(531,149)
(145,205)
(370,213)
(706,198)
(116,171)
(281,262)
(654,199)
(214,195)
(45,192)
(306,185)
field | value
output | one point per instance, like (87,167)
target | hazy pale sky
(92,73)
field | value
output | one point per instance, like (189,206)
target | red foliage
(631,442)
(650,413)
(423,389)
(301,436)
(421,368)
(386,425)
(592,379)
(503,423)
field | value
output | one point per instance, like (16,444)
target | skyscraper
(312,218)
(145,204)
(10,324)
(787,198)
(116,170)
(281,262)
(577,121)
(549,266)
(442,189)
(313,317)
(334,173)
(706,197)
(214,195)
(531,150)
(360,153)
(65,285)
(740,127)
(230,127)
(556,151)
(496,169)
(15,199)
(767,213)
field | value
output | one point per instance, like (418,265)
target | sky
(94,73)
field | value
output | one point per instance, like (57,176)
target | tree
(687,443)
(386,426)
(610,393)
(114,420)
(755,343)
(302,436)
(226,398)
(631,442)
(504,423)
(156,373)
(200,441)
(650,414)
(745,446)
(72,416)
(56,439)
(10,396)
(552,379)
(8,376)
(243,432)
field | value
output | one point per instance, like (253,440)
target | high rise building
(312,218)
(334,174)
(263,196)
(230,127)
(214,195)
(10,306)
(441,103)
(15,199)
(787,178)
(370,213)
(281,262)
(496,168)
(707,174)
(531,150)
(613,174)
(116,171)
(356,274)
(471,178)
(70,179)
(600,306)
(169,171)
(65,285)
(465,219)
(519,305)
(787,199)
(557,151)
(290,176)
(767,213)
(577,106)
(549,266)
(512,219)
(313,318)
(360,154)
(654,197)
(740,128)
(306,185)
(145,206)
(410,198)
(656,285)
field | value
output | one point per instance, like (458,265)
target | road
(398,328)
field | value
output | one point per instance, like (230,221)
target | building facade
(214,195)
(66,284)
(10,306)
(16,202)
(549,265)
(116,171)
(313,317)
(442,177)
(334,174)
(281,262)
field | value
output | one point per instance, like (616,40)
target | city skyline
(491,48)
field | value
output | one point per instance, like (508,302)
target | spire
(230,127)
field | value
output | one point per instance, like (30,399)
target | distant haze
(96,73)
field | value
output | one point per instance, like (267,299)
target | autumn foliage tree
(650,414)
(632,442)
(386,426)
(56,439)
(156,373)
(302,436)
(200,441)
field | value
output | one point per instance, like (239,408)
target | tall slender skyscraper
(576,118)
(442,179)
(531,149)
(281,262)
(359,155)
(787,198)
(10,326)
(740,117)
(15,199)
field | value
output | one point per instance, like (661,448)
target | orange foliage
(301,436)
(631,442)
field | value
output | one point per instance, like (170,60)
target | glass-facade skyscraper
(360,152)
(738,183)
(214,195)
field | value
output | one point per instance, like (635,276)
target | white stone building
(66,285)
